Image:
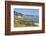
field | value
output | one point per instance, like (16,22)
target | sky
(27,11)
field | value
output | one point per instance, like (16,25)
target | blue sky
(27,11)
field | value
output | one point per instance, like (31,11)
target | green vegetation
(20,25)
(23,20)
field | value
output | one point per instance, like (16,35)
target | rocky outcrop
(18,14)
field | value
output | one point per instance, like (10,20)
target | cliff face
(18,14)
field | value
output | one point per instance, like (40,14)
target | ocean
(35,18)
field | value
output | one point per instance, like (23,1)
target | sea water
(35,18)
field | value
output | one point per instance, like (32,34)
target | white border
(26,28)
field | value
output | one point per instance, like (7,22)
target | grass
(20,25)
(22,20)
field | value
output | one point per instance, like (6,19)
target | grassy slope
(22,20)
(20,25)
